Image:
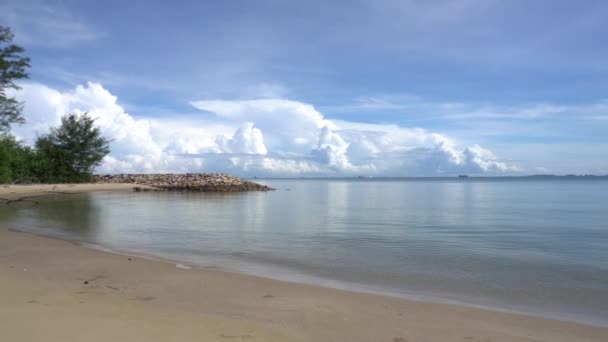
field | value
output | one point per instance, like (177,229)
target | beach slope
(53,290)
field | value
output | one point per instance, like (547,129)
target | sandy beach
(53,290)
(28,192)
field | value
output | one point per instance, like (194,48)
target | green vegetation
(69,153)
(18,162)
(13,67)
(72,150)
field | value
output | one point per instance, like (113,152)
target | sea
(529,245)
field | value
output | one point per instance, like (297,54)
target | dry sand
(53,290)
(12,192)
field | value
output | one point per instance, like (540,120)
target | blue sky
(426,83)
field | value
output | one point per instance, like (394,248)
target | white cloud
(294,125)
(247,139)
(255,137)
(331,150)
(419,108)
(446,157)
(380,102)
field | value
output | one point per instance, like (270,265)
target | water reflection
(61,216)
(541,244)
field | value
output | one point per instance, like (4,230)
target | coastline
(14,192)
(140,299)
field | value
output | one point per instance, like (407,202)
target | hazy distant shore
(54,290)
(452,177)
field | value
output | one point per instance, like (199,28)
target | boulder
(199,182)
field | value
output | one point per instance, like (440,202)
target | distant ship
(463,176)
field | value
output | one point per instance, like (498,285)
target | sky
(324,88)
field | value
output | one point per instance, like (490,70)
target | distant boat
(463,176)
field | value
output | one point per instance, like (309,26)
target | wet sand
(53,290)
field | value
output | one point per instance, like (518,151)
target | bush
(19,163)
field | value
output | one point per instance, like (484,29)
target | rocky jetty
(202,182)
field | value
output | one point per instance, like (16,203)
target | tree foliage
(19,163)
(73,150)
(13,67)
(5,166)
(69,153)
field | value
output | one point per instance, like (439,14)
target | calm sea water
(535,246)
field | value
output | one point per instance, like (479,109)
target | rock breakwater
(201,182)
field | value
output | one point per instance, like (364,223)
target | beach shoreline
(10,192)
(59,284)
(320,282)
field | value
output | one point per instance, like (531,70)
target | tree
(13,67)
(5,166)
(73,150)
(19,162)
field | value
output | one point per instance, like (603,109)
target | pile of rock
(214,182)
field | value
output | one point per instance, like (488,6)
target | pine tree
(13,67)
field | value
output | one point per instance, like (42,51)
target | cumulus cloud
(444,157)
(264,137)
(246,139)
(294,125)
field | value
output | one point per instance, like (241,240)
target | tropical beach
(73,291)
(400,171)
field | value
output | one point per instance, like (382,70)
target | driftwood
(9,201)
(60,192)
(19,199)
